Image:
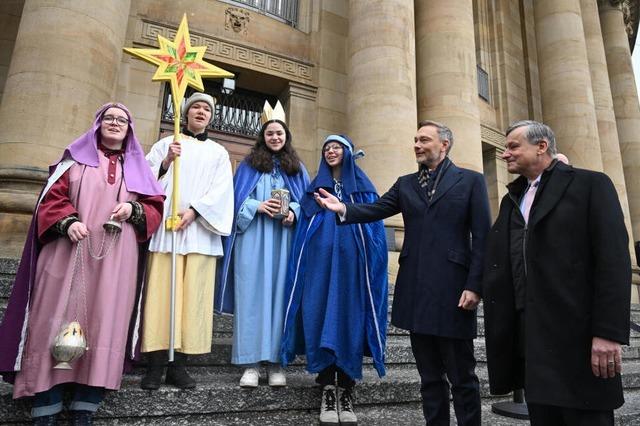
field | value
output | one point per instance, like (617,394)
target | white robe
(206,184)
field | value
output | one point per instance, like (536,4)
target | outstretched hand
(329,202)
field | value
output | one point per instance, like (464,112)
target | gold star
(179,63)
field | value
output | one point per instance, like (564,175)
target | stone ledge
(220,394)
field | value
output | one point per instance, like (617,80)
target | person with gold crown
(206,214)
(251,282)
(67,321)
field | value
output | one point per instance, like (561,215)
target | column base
(13,233)
(19,190)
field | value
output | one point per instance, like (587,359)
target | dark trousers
(328,377)
(550,415)
(439,359)
(85,398)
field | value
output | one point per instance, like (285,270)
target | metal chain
(78,265)
(101,255)
(83,288)
(77,262)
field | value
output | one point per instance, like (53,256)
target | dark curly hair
(261,157)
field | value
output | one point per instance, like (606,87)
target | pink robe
(110,286)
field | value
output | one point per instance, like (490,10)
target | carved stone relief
(236,20)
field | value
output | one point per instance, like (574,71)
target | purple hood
(137,173)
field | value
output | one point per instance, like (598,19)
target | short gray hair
(535,133)
(444,133)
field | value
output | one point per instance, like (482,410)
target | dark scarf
(108,152)
(428,180)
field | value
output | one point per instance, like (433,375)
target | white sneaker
(328,407)
(250,378)
(345,407)
(276,375)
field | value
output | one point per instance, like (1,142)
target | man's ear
(445,144)
(543,146)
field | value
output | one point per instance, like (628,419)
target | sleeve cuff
(343,216)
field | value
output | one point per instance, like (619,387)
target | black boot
(81,418)
(155,369)
(51,420)
(177,373)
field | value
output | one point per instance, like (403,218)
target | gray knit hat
(199,97)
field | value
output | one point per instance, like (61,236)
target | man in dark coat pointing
(446,216)
(556,286)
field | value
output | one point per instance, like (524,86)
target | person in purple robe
(73,269)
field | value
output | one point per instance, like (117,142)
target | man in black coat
(446,217)
(557,286)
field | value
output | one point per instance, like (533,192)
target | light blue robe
(260,258)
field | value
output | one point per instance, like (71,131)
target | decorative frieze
(231,53)
(492,137)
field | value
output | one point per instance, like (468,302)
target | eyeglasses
(334,148)
(110,119)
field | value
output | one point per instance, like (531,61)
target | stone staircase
(218,400)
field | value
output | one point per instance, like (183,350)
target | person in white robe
(206,214)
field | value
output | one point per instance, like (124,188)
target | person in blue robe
(252,278)
(336,291)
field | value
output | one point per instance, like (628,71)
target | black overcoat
(442,252)
(577,287)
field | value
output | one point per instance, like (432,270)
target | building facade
(367,68)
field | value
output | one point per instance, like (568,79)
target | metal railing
(286,10)
(236,113)
(483,84)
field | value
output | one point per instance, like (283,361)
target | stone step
(9,265)
(371,415)
(398,351)
(6,283)
(219,393)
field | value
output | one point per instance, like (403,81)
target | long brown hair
(261,157)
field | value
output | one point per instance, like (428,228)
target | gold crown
(269,113)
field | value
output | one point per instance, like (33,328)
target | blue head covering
(353,178)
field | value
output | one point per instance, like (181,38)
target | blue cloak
(337,281)
(244,182)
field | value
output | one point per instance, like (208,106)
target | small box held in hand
(284,197)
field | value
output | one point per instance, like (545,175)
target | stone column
(381,94)
(447,75)
(64,66)
(607,131)
(625,102)
(565,81)
(300,104)
(10,14)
